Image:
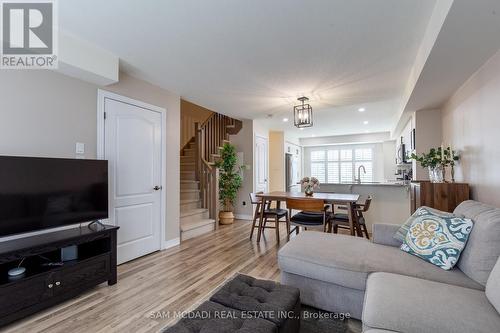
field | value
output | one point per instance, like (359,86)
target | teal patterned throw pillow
(437,239)
(400,235)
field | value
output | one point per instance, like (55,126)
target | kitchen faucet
(359,173)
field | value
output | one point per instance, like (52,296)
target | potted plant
(229,182)
(436,160)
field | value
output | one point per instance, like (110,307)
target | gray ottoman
(211,317)
(245,305)
(262,299)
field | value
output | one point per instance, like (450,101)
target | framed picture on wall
(412,138)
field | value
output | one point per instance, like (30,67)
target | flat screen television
(40,193)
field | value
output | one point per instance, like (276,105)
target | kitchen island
(390,204)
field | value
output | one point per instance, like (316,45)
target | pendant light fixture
(303,114)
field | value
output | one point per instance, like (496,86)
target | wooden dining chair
(341,220)
(313,214)
(275,213)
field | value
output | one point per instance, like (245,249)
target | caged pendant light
(303,113)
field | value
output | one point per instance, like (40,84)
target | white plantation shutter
(318,156)
(346,172)
(318,171)
(331,165)
(363,154)
(333,172)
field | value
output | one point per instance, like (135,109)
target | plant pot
(226,217)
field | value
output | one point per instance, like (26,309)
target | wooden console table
(442,196)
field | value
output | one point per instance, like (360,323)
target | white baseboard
(171,243)
(243,217)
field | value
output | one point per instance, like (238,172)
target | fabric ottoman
(211,317)
(268,300)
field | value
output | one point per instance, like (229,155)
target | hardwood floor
(171,280)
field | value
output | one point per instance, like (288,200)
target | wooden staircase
(199,197)
(195,220)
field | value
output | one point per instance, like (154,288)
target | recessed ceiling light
(361,109)
(312,135)
(285,119)
(301,128)
(365,122)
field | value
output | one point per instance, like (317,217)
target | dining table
(347,199)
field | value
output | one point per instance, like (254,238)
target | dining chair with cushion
(341,220)
(275,213)
(313,214)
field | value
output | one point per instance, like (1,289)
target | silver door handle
(157,188)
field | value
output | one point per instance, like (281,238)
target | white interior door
(133,147)
(261,145)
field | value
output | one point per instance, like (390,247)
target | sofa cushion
(493,286)
(400,234)
(437,239)
(407,304)
(347,261)
(483,247)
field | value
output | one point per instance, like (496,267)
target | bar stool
(341,220)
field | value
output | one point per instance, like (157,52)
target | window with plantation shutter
(337,165)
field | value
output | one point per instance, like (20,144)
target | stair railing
(209,137)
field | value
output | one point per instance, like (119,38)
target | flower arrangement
(309,184)
(436,161)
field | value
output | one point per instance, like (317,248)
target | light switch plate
(80,148)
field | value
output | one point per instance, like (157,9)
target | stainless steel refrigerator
(292,173)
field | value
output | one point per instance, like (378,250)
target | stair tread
(192,212)
(186,226)
(189,181)
(187,201)
(189,190)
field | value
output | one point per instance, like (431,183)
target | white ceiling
(249,59)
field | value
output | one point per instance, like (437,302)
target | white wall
(245,145)
(470,124)
(428,134)
(44,113)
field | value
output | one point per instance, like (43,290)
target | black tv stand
(44,285)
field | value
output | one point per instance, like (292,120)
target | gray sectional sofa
(390,290)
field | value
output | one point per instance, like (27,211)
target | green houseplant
(436,160)
(229,182)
